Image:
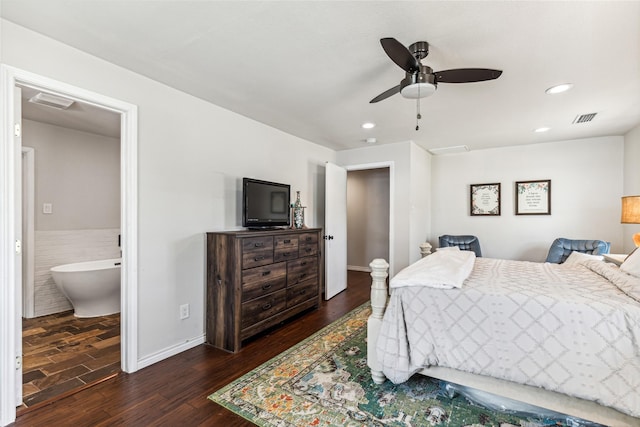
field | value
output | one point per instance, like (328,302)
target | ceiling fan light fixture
(418,90)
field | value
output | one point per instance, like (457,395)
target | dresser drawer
(302,292)
(308,244)
(286,247)
(259,309)
(257,251)
(262,287)
(302,269)
(262,280)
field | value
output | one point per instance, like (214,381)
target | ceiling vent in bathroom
(51,100)
(583,118)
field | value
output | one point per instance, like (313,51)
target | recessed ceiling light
(540,130)
(371,140)
(559,88)
(368,125)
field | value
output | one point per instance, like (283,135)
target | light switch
(47,208)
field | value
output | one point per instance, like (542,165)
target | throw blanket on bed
(563,328)
(444,269)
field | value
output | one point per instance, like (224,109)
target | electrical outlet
(184,311)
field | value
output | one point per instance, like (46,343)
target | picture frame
(484,199)
(533,197)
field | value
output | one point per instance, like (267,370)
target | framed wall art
(533,197)
(485,199)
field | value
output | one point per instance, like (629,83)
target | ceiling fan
(420,80)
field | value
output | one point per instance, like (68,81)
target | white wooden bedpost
(425,249)
(379,274)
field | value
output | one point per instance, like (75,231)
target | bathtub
(92,287)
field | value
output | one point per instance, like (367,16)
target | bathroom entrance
(71,214)
(11,306)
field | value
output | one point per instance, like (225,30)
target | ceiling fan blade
(467,75)
(400,55)
(387,93)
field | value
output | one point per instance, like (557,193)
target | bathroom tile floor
(63,353)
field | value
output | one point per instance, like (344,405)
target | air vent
(449,150)
(51,100)
(583,118)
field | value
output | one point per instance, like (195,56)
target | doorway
(368,216)
(74,180)
(10,219)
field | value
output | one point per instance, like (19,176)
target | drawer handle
(308,249)
(302,276)
(302,292)
(259,245)
(259,258)
(308,239)
(303,263)
(286,241)
(266,273)
(286,254)
(266,306)
(266,286)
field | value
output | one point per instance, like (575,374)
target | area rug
(324,381)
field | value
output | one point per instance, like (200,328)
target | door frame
(10,315)
(28,225)
(380,165)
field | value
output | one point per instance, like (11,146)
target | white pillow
(448,248)
(631,264)
(580,258)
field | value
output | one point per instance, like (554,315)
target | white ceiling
(310,68)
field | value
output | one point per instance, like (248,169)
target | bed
(561,336)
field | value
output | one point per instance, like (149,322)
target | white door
(335,230)
(17,108)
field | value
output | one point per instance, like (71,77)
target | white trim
(28,237)
(391,166)
(171,351)
(358,268)
(7,254)
(10,77)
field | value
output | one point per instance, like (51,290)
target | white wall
(586,181)
(631,180)
(420,209)
(78,173)
(192,156)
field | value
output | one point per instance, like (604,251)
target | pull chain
(418,115)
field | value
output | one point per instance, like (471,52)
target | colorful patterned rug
(324,381)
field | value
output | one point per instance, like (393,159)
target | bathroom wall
(78,173)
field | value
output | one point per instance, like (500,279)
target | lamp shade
(630,210)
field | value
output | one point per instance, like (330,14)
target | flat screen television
(265,204)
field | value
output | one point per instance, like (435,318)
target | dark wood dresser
(257,279)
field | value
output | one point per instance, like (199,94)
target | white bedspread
(443,269)
(563,328)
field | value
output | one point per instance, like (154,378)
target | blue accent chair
(465,243)
(561,248)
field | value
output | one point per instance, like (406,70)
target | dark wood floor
(62,353)
(174,392)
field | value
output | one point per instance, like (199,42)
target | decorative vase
(298,213)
